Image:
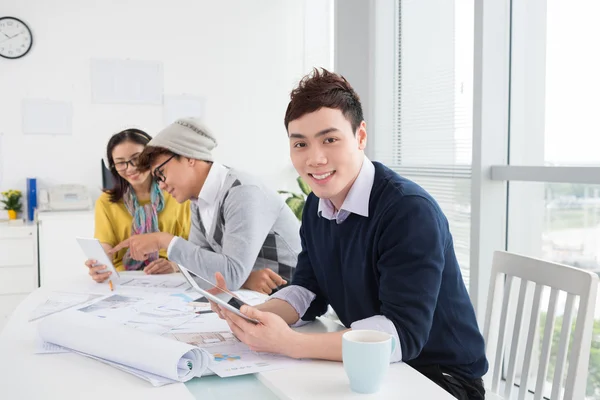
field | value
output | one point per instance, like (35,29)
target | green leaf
(296,205)
(303,186)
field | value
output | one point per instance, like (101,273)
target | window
(553,208)
(526,112)
(430,139)
(560,222)
(572,83)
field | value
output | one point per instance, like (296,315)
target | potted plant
(296,201)
(12,202)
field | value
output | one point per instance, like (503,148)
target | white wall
(242,56)
(353,41)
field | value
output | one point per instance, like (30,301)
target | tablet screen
(235,302)
(223,294)
(93,250)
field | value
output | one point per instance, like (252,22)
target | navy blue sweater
(399,262)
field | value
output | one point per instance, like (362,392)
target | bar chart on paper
(238,359)
(226,357)
(231,357)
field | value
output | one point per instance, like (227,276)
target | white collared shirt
(209,192)
(207,197)
(357,199)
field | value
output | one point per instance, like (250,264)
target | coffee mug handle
(393,344)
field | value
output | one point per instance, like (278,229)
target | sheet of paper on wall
(127,81)
(183,106)
(47,117)
(1,158)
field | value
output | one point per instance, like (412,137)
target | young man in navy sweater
(375,246)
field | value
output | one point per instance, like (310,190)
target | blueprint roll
(154,358)
(31,198)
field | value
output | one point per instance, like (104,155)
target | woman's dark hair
(128,135)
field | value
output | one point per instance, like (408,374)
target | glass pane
(431,141)
(554,87)
(560,223)
(434,98)
(572,82)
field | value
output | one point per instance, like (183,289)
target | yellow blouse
(113,223)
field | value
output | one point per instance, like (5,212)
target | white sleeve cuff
(382,324)
(299,298)
(171,244)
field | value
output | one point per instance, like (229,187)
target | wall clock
(15,38)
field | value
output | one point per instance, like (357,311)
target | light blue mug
(366,355)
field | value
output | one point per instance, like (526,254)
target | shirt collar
(357,199)
(214,181)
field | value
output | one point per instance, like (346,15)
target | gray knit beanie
(187,137)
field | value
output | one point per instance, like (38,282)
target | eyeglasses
(122,165)
(158,173)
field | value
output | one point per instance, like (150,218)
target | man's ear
(191,162)
(361,135)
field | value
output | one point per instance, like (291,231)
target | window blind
(432,139)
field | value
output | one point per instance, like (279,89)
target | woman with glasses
(135,205)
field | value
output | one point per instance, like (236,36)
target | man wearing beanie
(240,228)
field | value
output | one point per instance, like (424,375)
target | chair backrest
(508,269)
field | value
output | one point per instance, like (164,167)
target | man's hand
(98,272)
(160,266)
(142,245)
(219,282)
(263,281)
(271,335)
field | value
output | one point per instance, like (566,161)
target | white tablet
(223,298)
(93,251)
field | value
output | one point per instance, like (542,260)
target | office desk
(24,375)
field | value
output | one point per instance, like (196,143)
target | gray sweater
(253,228)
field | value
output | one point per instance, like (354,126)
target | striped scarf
(145,220)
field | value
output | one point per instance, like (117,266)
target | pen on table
(110,285)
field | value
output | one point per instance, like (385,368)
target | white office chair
(504,360)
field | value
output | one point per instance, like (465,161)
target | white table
(24,375)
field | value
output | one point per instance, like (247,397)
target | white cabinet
(18,266)
(60,256)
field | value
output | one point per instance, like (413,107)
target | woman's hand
(160,266)
(98,272)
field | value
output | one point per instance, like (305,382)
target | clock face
(15,38)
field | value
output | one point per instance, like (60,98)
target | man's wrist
(297,345)
(164,240)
